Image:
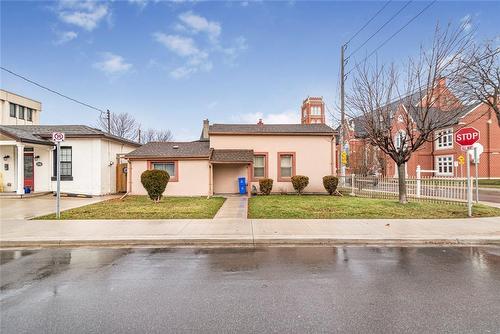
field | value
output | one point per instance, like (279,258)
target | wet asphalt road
(488,195)
(273,290)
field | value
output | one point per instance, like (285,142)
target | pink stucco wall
(313,155)
(193,178)
(226,177)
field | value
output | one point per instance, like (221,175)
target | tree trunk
(402,183)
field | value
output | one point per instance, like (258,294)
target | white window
(169,167)
(12,110)
(444,138)
(316,110)
(400,119)
(259,166)
(444,165)
(400,139)
(286,165)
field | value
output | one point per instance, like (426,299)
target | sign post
(58,137)
(476,161)
(466,137)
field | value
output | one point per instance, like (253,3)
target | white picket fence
(425,188)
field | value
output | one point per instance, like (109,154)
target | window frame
(397,138)
(438,145)
(54,165)
(266,164)
(10,109)
(21,112)
(29,114)
(294,162)
(176,168)
(451,165)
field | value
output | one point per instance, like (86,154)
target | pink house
(226,152)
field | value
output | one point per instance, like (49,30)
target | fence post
(352,185)
(418,181)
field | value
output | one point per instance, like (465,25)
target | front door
(29,173)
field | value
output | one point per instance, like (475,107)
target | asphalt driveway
(26,208)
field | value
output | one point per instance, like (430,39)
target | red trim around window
(285,179)
(176,166)
(266,164)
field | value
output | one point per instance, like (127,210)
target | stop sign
(467,136)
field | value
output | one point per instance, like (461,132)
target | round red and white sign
(57,136)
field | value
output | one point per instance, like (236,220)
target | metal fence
(418,189)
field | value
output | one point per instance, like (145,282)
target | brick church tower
(313,111)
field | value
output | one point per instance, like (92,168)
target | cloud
(231,53)
(183,46)
(286,117)
(112,64)
(139,3)
(466,22)
(86,14)
(65,37)
(197,23)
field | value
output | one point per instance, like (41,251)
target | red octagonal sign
(467,136)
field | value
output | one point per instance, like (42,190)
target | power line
(394,34)
(368,22)
(51,90)
(381,27)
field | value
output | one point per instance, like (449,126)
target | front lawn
(489,183)
(333,207)
(141,207)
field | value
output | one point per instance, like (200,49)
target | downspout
(488,151)
(332,155)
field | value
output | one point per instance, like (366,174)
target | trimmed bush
(299,182)
(155,181)
(266,185)
(330,183)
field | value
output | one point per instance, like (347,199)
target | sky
(173,64)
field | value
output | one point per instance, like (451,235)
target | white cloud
(112,64)
(183,46)
(65,37)
(231,53)
(286,117)
(197,23)
(466,22)
(139,3)
(86,14)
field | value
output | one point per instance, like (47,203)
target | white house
(91,160)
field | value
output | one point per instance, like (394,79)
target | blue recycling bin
(242,185)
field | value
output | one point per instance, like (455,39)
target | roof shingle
(288,129)
(195,149)
(232,156)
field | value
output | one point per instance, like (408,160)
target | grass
(489,183)
(141,207)
(330,207)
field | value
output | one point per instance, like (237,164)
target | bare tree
(122,124)
(150,135)
(481,80)
(401,108)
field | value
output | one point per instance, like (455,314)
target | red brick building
(442,154)
(313,111)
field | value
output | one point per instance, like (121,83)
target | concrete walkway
(239,232)
(235,207)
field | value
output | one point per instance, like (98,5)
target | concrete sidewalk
(240,232)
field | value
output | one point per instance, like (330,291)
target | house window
(29,115)
(400,139)
(21,112)
(66,163)
(12,110)
(444,165)
(316,110)
(169,166)
(286,167)
(259,166)
(444,139)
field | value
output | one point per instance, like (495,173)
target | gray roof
(288,129)
(39,133)
(195,149)
(232,156)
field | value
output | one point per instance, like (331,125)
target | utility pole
(342,111)
(139,135)
(108,117)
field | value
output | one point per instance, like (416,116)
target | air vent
(176,146)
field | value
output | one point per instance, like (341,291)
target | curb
(229,243)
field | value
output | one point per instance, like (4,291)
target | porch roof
(22,135)
(232,155)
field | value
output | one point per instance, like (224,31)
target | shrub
(155,181)
(330,183)
(299,182)
(266,185)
